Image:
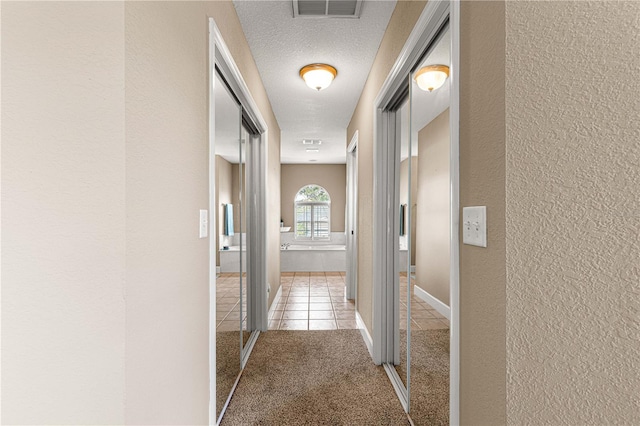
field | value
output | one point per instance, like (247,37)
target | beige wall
(433,224)
(402,21)
(332,177)
(482,138)
(63,199)
(224,191)
(167,151)
(482,182)
(238,225)
(404,199)
(573,144)
(101,193)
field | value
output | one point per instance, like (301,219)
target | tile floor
(313,301)
(228,301)
(423,315)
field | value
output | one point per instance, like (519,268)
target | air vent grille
(326,8)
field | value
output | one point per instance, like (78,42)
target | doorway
(351,227)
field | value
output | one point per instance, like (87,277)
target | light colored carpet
(313,378)
(227,364)
(429,377)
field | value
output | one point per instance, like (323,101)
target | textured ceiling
(281,45)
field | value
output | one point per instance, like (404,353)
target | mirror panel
(429,287)
(228,119)
(404,239)
(245,212)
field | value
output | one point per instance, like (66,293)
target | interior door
(352,223)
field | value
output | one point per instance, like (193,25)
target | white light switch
(474,226)
(204,222)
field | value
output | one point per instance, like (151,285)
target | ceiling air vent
(326,8)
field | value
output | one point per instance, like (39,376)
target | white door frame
(351,228)
(220,59)
(385,213)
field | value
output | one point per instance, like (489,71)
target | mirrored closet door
(234,214)
(228,233)
(417,122)
(428,230)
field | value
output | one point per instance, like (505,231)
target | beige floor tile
(319,306)
(421,313)
(233,316)
(294,325)
(298,299)
(273,324)
(347,324)
(295,315)
(319,299)
(228,326)
(346,315)
(431,324)
(322,325)
(343,306)
(276,315)
(321,315)
(296,307)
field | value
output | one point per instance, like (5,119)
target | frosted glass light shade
(432,77)
(318,76)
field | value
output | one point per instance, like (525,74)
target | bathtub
(313,258)
(314,247)
(230,260)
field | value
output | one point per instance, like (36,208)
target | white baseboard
(435,303)
(275,302)
(217,270)
(368,341)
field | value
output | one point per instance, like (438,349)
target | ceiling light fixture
(313,150)
(307,141)
(318,76)
(431,77)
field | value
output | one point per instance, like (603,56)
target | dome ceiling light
(318,76)
(431,77)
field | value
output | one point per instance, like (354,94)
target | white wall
(63,199)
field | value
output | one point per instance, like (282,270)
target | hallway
(109,219)
(313,377)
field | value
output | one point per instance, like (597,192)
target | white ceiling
(281,45)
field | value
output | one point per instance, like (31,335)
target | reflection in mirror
(227,234)
(405,238)
(429,289)
(245,213)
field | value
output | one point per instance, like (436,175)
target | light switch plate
(474,226)
(204,222)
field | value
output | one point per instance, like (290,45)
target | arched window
(312,213)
